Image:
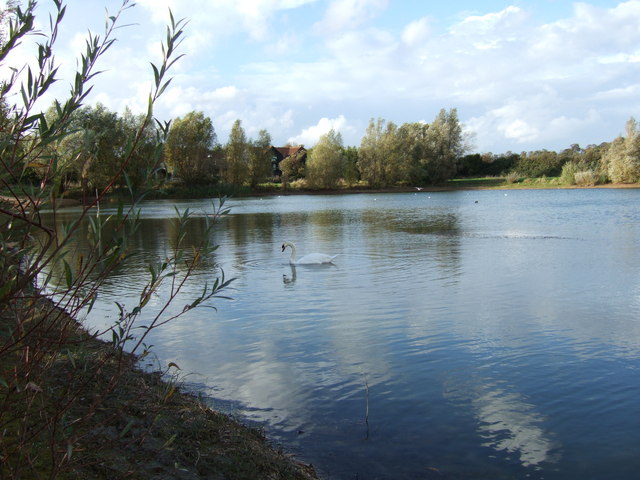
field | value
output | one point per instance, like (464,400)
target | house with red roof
(282,153)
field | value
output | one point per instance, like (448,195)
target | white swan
(309,259)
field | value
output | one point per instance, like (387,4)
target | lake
(470,334)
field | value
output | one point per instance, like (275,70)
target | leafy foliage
(539,163)
(444,148)
(237,156)
(416,153)
(377,153)
(260,159)
(325,164)
(351,173)
(189,148)
(293,168)
(622,159)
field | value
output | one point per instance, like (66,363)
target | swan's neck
(292,259)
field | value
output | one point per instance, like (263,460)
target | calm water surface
(481,335)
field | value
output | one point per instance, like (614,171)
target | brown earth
(119,422)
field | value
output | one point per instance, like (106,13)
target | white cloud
(181,100)
(621,94)
(310,136)
(254,15)
(216,19)
(517,129)
(284,44)
(527,124)
(564,125)
(590,33)
(416,32)
(344,15)
(491,23)
(620,58)
(510,121)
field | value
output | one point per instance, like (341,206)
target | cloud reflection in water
(508,422)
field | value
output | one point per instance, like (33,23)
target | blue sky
(524,75)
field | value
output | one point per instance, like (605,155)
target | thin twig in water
(366,404)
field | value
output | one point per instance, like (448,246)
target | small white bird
(309,259)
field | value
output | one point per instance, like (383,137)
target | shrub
(569,171)
(512,177)
(587,178)
(299,184)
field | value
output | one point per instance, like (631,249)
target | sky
(523,75)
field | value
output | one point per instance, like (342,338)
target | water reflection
(510,424)
(248,229)
(153,239)
(506,421)
(292,278)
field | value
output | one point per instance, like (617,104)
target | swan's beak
(283,247)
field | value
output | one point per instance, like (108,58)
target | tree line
(617,161)
(415,154)
(93,151)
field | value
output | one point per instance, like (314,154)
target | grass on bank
(509,182)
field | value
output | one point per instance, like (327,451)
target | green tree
(446,144)
(325,163)
(104,141)
(260,159)
(392,149)
(188,148)
(351,173)
(378,149)
(472,165)
(572,154)
(236,170)
(622,159)
(500,165)
(371,160)
(93,150)
(539,163)
(591,157)
(414,152)
(292,168)
(143,165)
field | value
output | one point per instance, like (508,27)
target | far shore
(456,185)
(442,188)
